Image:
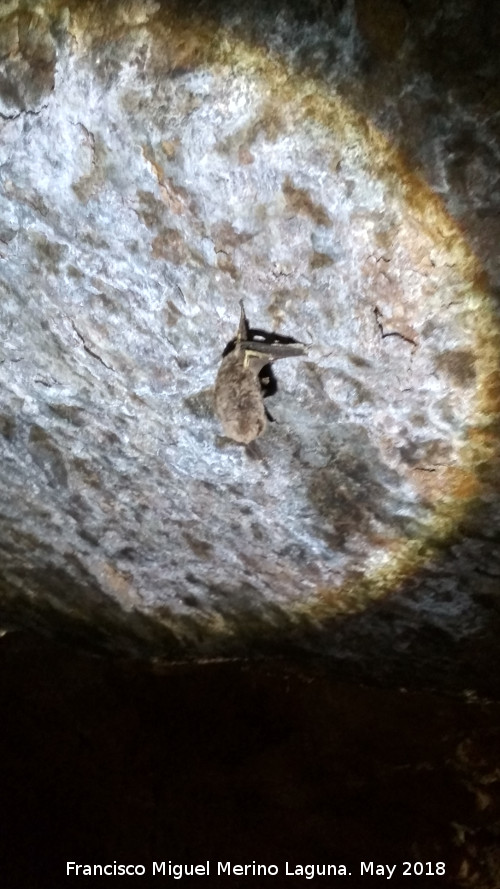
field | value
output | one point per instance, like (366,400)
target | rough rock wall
(338,166)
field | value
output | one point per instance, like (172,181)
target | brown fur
(238,398)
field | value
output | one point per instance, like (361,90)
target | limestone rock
(156,165)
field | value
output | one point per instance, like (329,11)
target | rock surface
(157,164)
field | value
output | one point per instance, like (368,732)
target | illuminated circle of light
(218,49)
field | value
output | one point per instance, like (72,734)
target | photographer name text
(229,869)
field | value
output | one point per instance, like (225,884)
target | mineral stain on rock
(459,364)
(27,62)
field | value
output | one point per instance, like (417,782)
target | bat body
(245,378)
(238,397)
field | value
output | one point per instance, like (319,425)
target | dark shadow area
(107,761)
(385,645)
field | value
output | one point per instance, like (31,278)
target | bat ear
(274,351)
(243,325)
